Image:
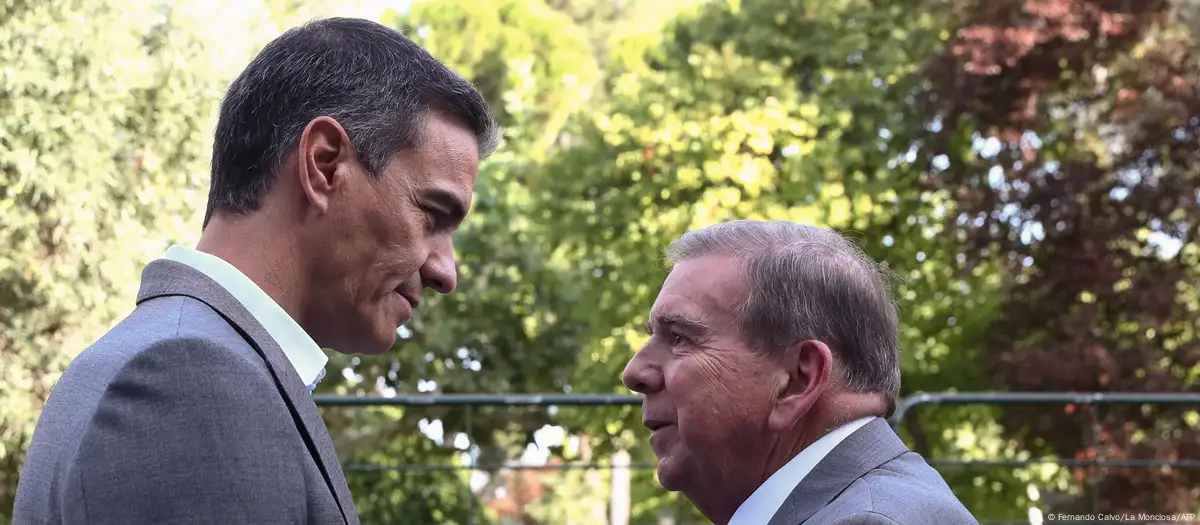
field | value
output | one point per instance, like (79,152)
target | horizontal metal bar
(1039,398)
(968,398)
(481,400)
(1107,463)
(1010,463)
(490,468)
(1003,398)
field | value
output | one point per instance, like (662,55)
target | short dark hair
(374,81)
(810,283)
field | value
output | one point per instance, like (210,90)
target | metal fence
(1096,465)
(905,408)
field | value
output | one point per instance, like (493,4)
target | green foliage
(432,493)
(1091,220)
(501,331)
(102,160)
(769,110)
(627,124)
(704,122)
(106,113)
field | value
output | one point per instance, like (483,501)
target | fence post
(620,489)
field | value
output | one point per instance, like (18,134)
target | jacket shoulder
(905,490)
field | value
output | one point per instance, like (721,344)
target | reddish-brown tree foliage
(1095,105)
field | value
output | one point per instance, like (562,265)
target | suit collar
(863,451)
(301,351)
(768,497)
(164,278)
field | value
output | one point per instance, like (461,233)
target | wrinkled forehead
(709,288)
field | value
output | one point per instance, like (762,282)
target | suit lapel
(166,278)
(861,452)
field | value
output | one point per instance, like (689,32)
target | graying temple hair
(810,283)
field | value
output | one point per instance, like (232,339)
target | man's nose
(641,375)
(439,273)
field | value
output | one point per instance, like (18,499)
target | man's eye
(677,340)
(437,218)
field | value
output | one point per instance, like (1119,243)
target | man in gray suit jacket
(771,363)
(345,156)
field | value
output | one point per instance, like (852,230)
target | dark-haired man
(771,365)
(345,157)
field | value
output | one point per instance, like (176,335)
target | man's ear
(323,155)
(809,365)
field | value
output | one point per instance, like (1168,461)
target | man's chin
(381,345)
(669,475)
(377,344)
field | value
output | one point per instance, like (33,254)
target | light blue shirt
(302,352)
(766,500)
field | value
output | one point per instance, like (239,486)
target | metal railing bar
(480,400)
(903,407)
(1111,463)
(905,404)
(1025,398)
(489,468)
(1010,463)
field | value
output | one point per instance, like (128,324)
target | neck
(720,501)
(264,254)
(827,415)
(724,495)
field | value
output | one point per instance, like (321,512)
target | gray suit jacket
(186,412)
(871,478)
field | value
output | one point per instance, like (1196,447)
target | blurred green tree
(106,111)
(729,113)
(1067,135)
(497,333)
(1020,165)
(777,110)
(102,158)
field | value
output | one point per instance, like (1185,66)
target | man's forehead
(677,309)
(447,156)
(712,285)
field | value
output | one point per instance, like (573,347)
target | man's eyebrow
(679,321)
(452,204)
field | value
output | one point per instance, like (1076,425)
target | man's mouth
(413,301)
(655,424)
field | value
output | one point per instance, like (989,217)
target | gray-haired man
(771,364)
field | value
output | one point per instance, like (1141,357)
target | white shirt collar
(306,357)
(762,505)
